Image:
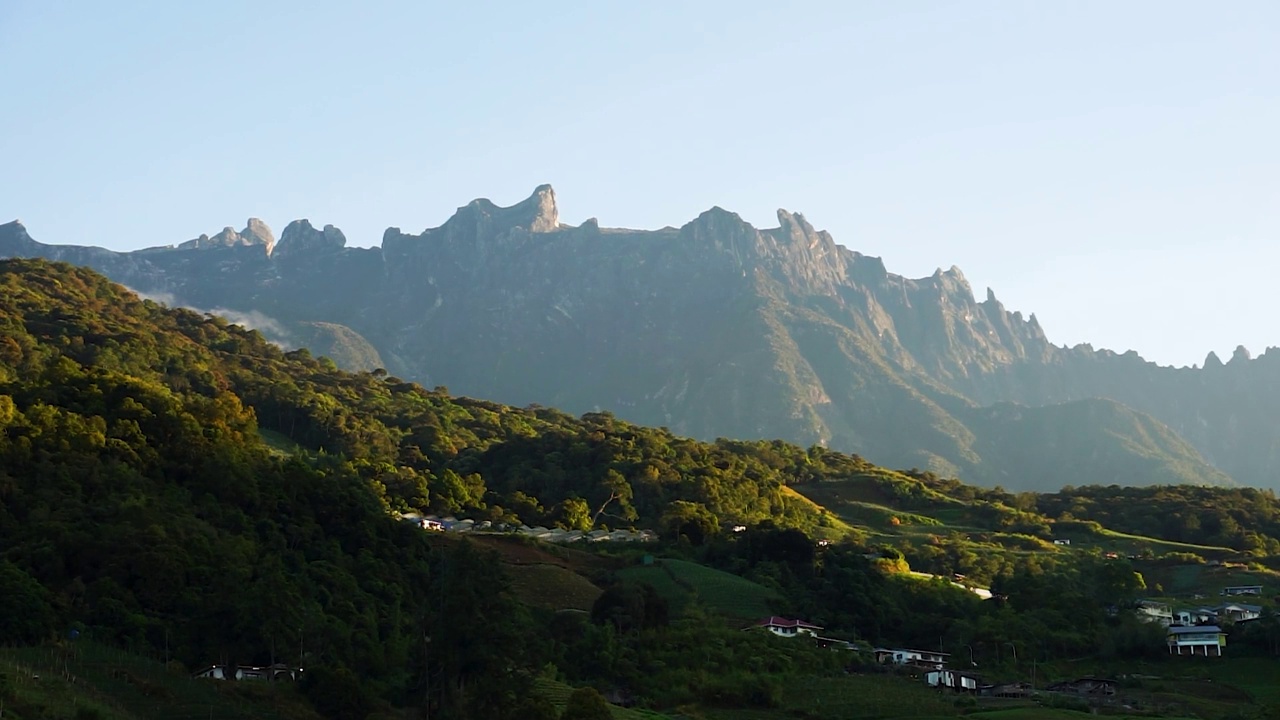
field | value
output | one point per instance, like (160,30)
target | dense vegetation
(1242,518)
(141,507)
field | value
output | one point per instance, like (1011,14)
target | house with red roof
(786,627)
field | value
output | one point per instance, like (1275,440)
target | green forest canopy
(140,502)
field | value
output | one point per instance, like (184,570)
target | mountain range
(721,329)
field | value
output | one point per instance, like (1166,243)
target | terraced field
(681,582)
(552,586)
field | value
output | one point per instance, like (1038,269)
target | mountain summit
(721,329)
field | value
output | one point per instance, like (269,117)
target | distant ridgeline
(170,480)
(720,329)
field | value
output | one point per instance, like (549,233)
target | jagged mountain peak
(716,215)
(15,228)
(717,328)
(255,233)
(301,237)
(259,233)
(478,224)
(14,234)
(536,213)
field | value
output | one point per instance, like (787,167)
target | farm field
(1260,677)
(552,586)
(680,582)
(852,697)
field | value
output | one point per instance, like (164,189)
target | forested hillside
(141,507)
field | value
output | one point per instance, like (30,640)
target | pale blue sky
(1113,167)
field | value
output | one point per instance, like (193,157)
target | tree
(586,703)
(630,607)
(25,615)
(575,514)
(619,491)
(690,520)
(336,693)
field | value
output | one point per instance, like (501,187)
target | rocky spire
(544,215)
(300,237)
(256,232)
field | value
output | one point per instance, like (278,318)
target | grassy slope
(831,527)
(1040,713)
(853,696)
(121,686)
(681,582)
(863,503)
(558,694)
(1186,581)
(548,576)
(278,443)
(552,586)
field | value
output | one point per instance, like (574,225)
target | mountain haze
(721,329)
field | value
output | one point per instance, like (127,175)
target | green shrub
(586,703)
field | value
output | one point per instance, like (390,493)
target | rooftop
(775,621)
(1194,629)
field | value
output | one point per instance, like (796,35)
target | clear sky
(1113,167)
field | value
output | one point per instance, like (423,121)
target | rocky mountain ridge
(718,328)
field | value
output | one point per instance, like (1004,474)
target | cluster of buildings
(1189,632)
(272,673)
(1198,630)
(451,524)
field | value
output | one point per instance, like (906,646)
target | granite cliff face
(718,328)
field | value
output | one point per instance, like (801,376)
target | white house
(788,628)
(1155,611)
(1204,640)
(918,658)
(1227,612)
(429,522)
(1197,616)
(953,680)
(1242,590)
(1237,612)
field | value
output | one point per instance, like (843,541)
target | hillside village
(555,535)
(886,593)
